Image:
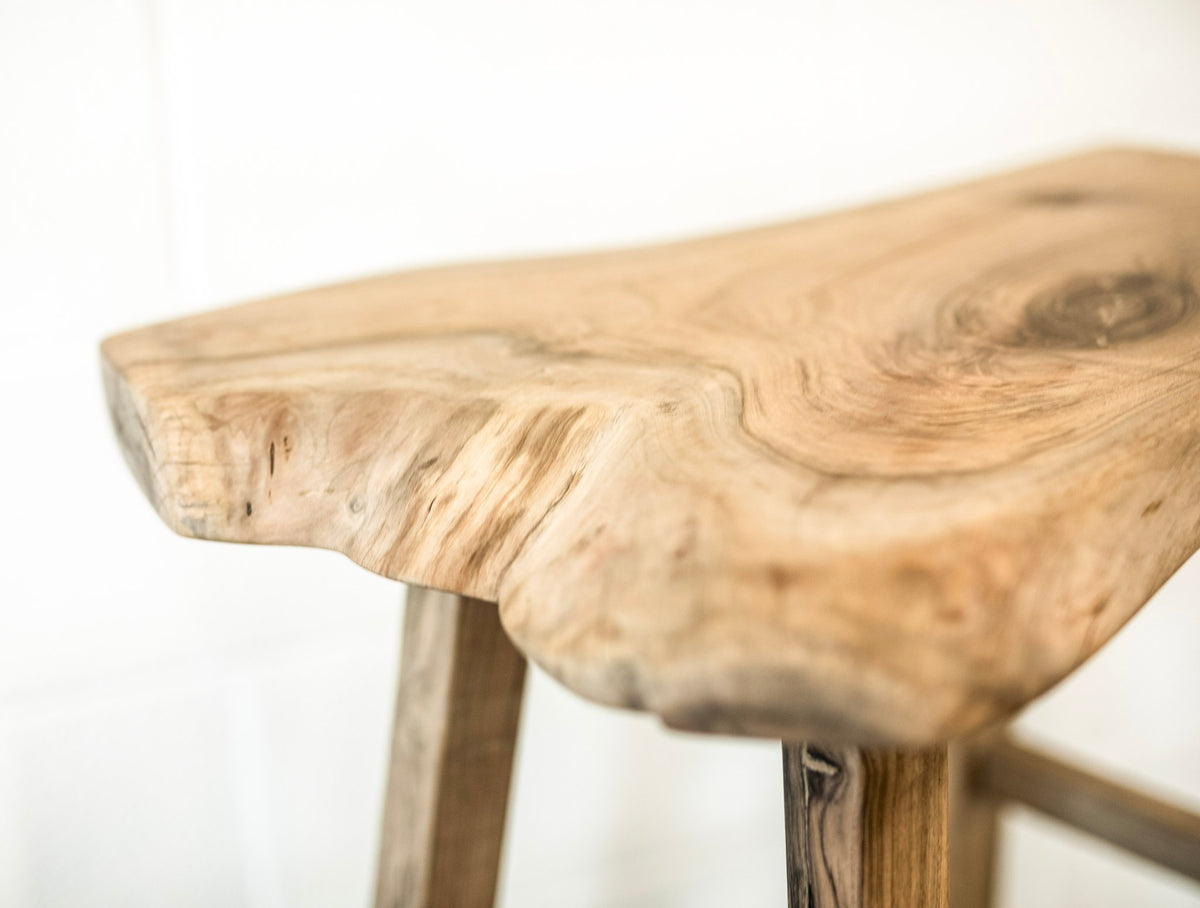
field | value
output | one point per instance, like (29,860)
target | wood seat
(880,476)
(872,480)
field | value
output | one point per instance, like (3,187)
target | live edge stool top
(878,477)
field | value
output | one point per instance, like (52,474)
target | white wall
(194,724)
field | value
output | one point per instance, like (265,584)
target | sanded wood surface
(457,711)
(865,828)
(1145,826)
(880,476)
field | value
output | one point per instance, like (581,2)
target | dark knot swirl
(1097,311)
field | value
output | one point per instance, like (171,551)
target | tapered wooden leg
(974,825)
(457,711)
(865,828)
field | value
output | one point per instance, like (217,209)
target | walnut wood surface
(1145,826)
(865,829)
(974,823)
(881,476)
(457,710)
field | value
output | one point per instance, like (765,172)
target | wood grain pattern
(881,476)
(1145,826)
(865,828)
(457,710)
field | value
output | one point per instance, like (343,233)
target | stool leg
(865,828)
(974,824)
(457,711)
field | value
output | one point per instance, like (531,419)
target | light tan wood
(1145,826)
(974,824)
(865,829)
(877,477)
(457,711)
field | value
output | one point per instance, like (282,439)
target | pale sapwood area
(878,477)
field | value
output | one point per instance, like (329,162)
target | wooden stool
(868,483)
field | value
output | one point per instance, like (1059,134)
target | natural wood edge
(1141,825)
(917,464)
(457,713)
(129,428)
(865,827)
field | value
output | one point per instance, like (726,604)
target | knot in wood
(1099,310)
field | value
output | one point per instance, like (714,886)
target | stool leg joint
(865,829)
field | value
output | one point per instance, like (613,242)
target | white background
(195,724)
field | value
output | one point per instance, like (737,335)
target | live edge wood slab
(878,477)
